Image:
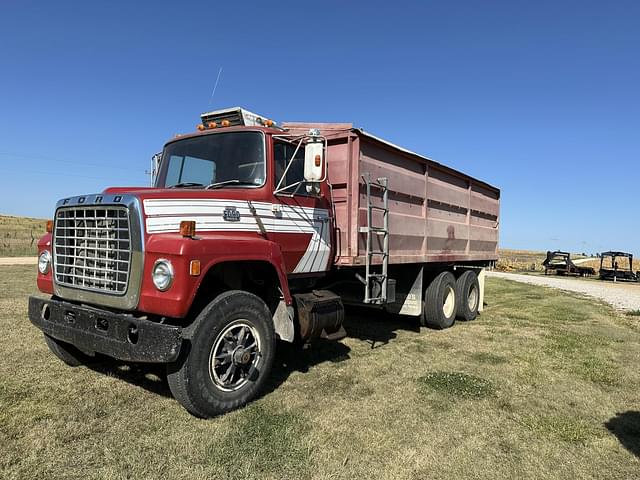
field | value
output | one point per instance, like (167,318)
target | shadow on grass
(149,376)
(377,327)
(626,427)
(289,358)
(373,326)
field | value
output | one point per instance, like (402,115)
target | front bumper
(119,335)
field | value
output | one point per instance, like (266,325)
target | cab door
(302,222)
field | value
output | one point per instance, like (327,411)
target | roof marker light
(200,127)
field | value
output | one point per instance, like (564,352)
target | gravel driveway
(18,260)
(625,296)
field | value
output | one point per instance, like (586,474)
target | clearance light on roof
(236,116)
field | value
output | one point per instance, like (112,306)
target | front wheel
(231,352)
(67,352)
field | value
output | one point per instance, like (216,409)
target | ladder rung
(379,208)
(376,230)
(377,253)
(377,275)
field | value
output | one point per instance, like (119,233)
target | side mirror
(313,161)
(155,167)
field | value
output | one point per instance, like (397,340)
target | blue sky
(541,99)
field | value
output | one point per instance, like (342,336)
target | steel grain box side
(436,214)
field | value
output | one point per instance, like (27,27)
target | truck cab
(135,273)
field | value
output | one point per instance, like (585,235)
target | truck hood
(232,193)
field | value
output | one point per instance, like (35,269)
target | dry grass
(542,385)
(19,235)
(520,260)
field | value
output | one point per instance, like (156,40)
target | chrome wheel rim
(449,301)
(472,300)
(235,356)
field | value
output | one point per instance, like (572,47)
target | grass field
(543,385)
(520,260)
(19,235)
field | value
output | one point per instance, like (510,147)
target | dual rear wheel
(447,298)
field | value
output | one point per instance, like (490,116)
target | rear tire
(229,356)
(468,290)
(439,310)
(67,352)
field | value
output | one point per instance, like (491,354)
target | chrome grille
(92,248)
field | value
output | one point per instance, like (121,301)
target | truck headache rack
(376,283)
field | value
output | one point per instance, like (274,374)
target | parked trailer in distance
(254,232)
(610,269)
(560,263)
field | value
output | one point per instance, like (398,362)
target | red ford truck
(254,232)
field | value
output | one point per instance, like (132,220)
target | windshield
(233,159)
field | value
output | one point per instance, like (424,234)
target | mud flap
(408,291)
(283,322)
(481,277)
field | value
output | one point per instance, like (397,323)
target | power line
(57,160)
(56,174)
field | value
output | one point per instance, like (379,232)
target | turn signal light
(194,268)
(49,226)
(318,161)
(200,127)
(188,228)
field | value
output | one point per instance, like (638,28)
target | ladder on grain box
(376,282)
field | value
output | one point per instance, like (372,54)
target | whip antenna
(215,86)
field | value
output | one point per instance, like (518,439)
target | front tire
(66,352)
(230,355)
(440,302)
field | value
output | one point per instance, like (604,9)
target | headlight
(44,262)
(162,274)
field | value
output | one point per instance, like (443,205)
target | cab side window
(282,153)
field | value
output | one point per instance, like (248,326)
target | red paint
(45,282)
(211,248)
